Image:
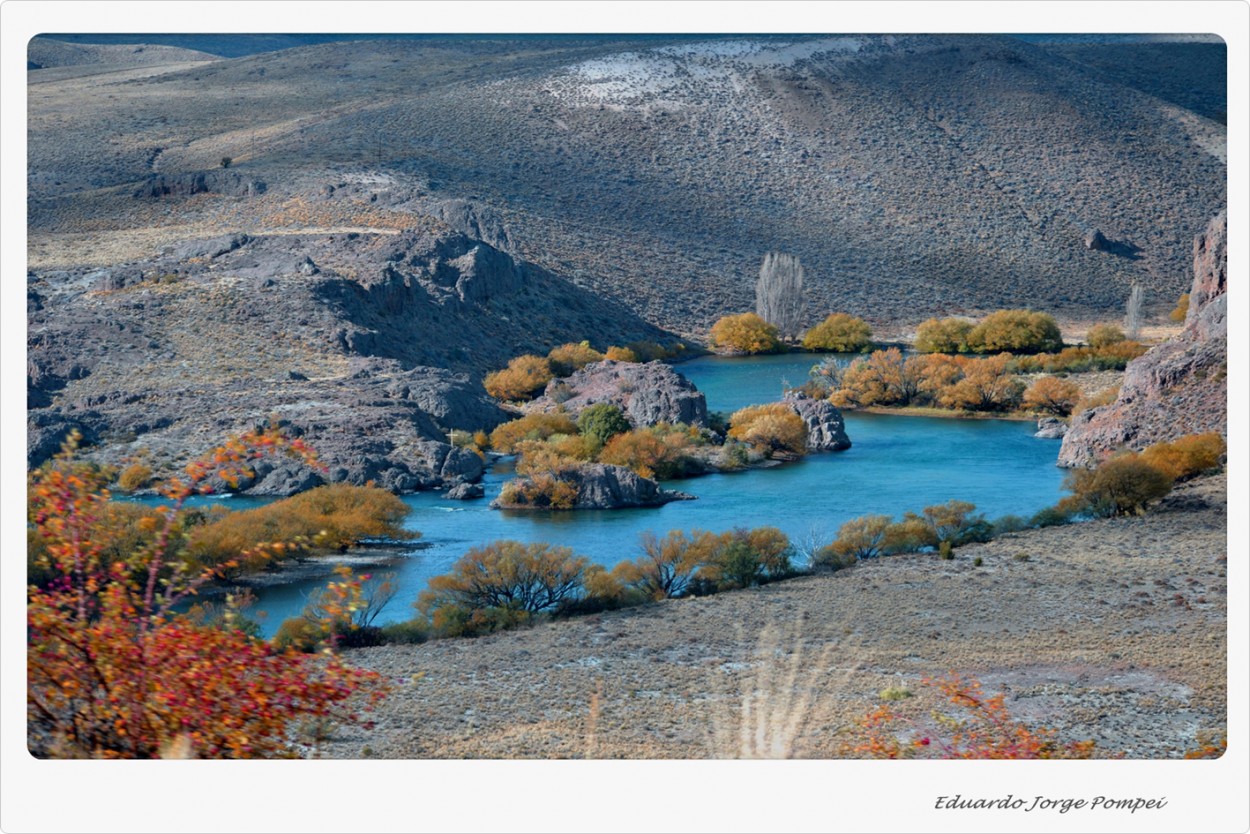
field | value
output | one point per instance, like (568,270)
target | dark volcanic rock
(648,393)
(1176,388)
(1096,241)
(826,430)
(200,182)
(602,486)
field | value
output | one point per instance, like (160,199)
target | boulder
(1051,428)
(1176,388)
(466,492)
(826,430)
(1096,241)
(648,393)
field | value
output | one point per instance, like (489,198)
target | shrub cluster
(868,537)
(507,584)
(773,430)
(888,378)
(1015,331)
(326,518)
(745,333)
(1112,356)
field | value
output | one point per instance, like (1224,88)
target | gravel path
(1113,630)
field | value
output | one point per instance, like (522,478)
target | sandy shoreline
(1113,630)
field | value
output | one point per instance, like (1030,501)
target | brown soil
(1113,630)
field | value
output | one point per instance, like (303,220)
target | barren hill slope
(914,175)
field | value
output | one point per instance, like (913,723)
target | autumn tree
(859,538)
(523,379)
(620,354)
(885,377)
(115,671)
(748,557)
(773,429)
(779,293)
(943,335)
(661,451)
(952,521)
(840,333)
(1017,331)
(745,333)
(985,386)
(504,577)
(1052,395)
(668,565)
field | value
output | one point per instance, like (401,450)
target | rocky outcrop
(371,347)
(601,486)
(826,430)
(1176,388)
(199,182)
(648,393)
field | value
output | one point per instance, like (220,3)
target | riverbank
(1111,629)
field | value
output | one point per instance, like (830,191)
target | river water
(896,463)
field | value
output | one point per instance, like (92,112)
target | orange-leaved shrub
(1052,395)
(661,451)
(523,379)
(1097,399)
(571,357)
(773,429)
(745,333)
(1185,457)
(620,354)
(981,727)
(114,671)
(134,477)
(986,385)
(535,426)
(667,567)
(1182,308)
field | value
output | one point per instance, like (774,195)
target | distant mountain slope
(913,175)
(45,53)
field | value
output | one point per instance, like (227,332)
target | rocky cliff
(1177,388)
(370,346)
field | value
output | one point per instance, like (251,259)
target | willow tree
(779,293)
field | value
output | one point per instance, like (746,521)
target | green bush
(408,632)
(299,634)
(602,421)
(749,557)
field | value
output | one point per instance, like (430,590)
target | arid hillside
(913,175)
